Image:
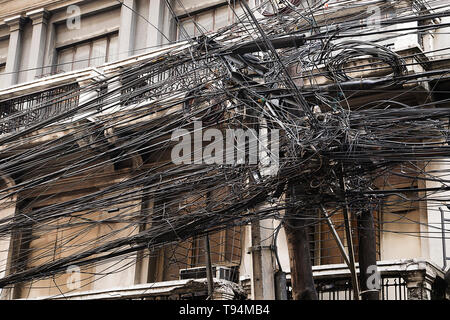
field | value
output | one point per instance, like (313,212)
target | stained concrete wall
(113,273)
(438,200)
(399,236)
(3,49)
(7,209)
(91,26)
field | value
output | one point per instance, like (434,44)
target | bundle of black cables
(339,56)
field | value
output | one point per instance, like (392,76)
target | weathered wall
(439,200)
(442,41)
(91,26)
(114,273)
(399,238)
(7,209)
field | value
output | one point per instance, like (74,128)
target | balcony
(30,103)
(413,279)
(31,109)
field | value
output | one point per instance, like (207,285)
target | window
(91,53)
(209,20)
(225,246)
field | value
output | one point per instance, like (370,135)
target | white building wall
(442,41)
(438,200)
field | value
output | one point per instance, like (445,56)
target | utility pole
(209,272)
(298,244)
(262,231)
(263,277)
(367,254)
(348,233)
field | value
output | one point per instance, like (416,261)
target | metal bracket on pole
(259,248)
(336,236)
(348,233)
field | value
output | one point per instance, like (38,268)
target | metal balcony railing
(391,288)
(159,81)
(31,109)
(397,279)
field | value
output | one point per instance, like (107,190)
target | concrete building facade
(48,44)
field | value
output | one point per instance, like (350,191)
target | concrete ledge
(157,289)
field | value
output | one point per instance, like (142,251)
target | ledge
(49,82)
(157,289)
(388,267)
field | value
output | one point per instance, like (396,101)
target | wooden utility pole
(209,272)
(298,244)
(348,233)
(367,254)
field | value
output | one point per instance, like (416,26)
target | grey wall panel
(91,26)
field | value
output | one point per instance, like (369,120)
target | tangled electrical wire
(88,170)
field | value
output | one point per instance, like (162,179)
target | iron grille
(31,109)
(392,288)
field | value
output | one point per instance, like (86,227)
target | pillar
(156,17)
(38,42)
(14,50)
(417,286)
(127,30)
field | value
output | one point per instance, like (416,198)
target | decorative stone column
(14,50)
(127,32)
(419,288)
(38,42)
(156,17)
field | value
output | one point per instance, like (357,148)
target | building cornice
(38,16)
(49,5)
(15,23)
